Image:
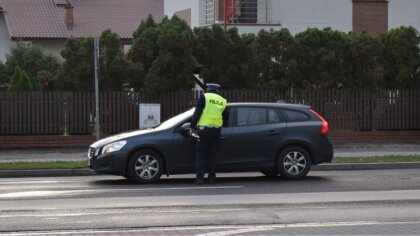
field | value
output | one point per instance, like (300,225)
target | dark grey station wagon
(273,138)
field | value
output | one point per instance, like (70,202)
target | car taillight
(324,126)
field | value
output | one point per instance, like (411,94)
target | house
(48,23)
(249,16)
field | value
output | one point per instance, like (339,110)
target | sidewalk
(340,150)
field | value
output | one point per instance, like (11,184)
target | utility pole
(224,15)
(96,59)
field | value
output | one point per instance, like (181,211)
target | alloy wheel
(294,163)
(146,166)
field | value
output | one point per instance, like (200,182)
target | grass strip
(413,158)
(43,165)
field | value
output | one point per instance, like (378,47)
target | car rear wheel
(145,166)
(294,163)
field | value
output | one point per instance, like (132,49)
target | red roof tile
(45,19)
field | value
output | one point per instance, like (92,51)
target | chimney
(69,18)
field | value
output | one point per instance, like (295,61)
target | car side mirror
(186,126)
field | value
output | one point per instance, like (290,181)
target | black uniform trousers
(207,151)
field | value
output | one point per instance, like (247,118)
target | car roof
(269,104)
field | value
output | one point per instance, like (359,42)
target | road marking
(33,182)
(87,191)
(227,229)
(237,231)
(17,215)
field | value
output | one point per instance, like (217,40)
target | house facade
(250,16)
(49,23)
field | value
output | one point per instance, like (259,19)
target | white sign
(149,115)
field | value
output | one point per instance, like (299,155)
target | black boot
(211,178)
(199,179)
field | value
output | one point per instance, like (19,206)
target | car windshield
(175,120)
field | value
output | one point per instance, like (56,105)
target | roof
(270,104)
(41,19)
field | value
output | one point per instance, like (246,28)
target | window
(273,117)
(296,116)
(209,7)
(248,12)
(251,116)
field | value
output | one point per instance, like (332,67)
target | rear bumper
(323,157)
(323,151)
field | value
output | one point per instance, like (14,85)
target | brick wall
(370,16)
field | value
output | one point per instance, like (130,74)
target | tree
(227,59)
(365,69)
(78,68)
(273,57)
(4,77)
(239,58)
(32,60)
(174,66)
(401,58)
(45,80)
(113,72)
(321,57)
(144,49)
(20,81)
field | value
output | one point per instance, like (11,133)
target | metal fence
(52,113)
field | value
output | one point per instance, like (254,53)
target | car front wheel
(294,163)
(145,166)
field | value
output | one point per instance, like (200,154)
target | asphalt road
(383,202)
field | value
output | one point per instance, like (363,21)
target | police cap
(212,87)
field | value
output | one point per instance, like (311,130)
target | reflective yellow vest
(212,112)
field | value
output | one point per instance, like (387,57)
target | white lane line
(114,213)
(237,231)
(226,228)
(33,182)
(87,191)
(300,225)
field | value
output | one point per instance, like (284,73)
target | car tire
(270,173)
(145,166)
(294,162)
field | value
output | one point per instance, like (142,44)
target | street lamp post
(96,59)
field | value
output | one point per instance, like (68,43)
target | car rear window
(296,116)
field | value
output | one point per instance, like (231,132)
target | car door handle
(273,132)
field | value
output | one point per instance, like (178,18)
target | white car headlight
(112,147)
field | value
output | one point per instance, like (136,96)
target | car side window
(251,116)
(296,116)
(273,116)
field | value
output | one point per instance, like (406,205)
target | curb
(367,166)
(322,167)
(45,173)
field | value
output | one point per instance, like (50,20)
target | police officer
(208,120)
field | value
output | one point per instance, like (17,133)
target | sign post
(96,59)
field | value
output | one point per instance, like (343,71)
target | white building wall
(295,15)
(404,13)
(298,15)
(172,6)
(53,47)
(5,42)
